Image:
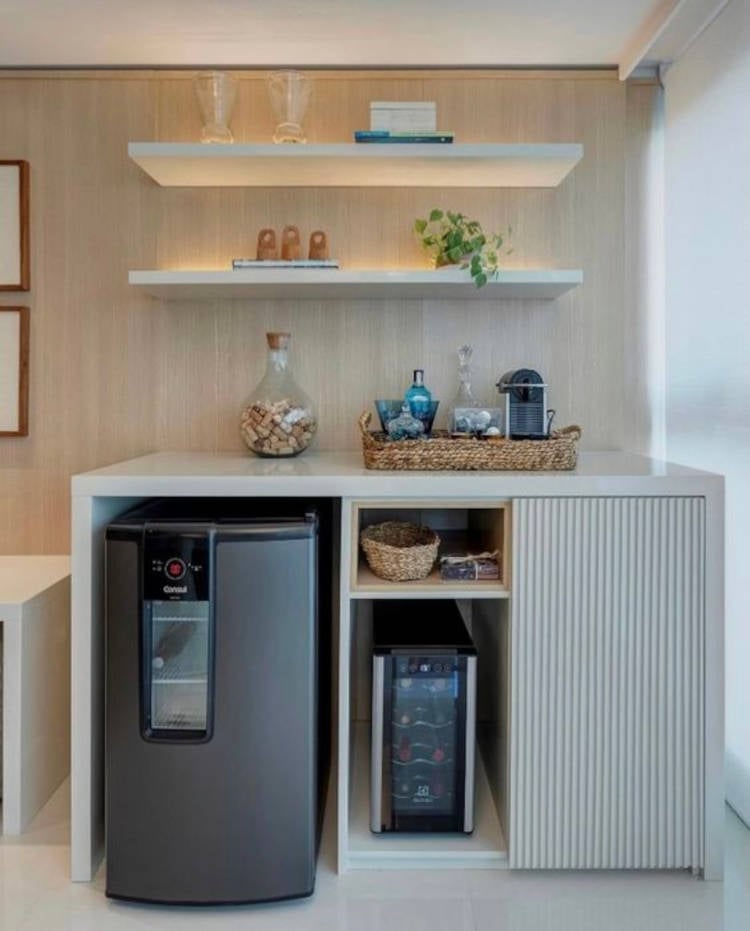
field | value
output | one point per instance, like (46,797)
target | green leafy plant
(454,239)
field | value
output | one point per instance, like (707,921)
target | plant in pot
(454,239)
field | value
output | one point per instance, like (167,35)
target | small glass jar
(405,426)
(278,419)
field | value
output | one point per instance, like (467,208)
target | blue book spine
(376,135)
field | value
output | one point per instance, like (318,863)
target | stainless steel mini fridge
(423,718)
(211,708)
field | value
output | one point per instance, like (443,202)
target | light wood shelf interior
(463,527)
(543,284)
(472,165)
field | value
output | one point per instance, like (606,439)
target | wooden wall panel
(116,374)
(93,378)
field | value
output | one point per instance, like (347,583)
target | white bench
(35,618)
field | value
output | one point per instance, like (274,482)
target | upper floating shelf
(327,284)
(181,164)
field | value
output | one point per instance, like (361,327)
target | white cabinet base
(99,496)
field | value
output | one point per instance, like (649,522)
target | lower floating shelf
(485,849)
(334,284)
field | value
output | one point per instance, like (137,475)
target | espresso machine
(526,413)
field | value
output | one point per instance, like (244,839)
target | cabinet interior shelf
(484,849)
(463,527)
(338,284)
(180,164)
(368,585)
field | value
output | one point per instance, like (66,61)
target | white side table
(35,617)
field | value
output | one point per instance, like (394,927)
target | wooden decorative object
(399,551)
(319,246)
(267,245)
(291,248)
(14,371)
(15,252)
(442,453)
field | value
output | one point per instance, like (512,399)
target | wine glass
(290,95)
(216,92)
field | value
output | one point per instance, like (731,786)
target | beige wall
(115,374)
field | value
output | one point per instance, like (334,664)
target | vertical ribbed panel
(607,683)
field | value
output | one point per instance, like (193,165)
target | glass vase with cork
(278,419)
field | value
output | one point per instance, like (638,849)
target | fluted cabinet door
(607,689)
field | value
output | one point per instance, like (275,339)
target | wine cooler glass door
(426,729)
(176,680)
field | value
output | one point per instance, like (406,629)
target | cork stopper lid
(277,340)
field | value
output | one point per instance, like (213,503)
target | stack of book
(403,121)
(242,264)
(412,135)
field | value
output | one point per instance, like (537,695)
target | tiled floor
(36,895)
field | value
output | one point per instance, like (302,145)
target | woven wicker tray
(441,453)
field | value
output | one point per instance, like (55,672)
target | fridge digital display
(177,666)
(424,737)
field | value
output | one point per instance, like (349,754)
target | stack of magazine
(407,136)
(241,264)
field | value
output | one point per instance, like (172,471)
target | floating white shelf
(485,849)
(180,164)
(334,284)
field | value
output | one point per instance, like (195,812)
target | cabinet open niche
(487,846)
(463,527)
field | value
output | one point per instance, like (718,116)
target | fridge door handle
(376,758)
(470,757)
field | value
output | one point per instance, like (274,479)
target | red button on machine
(175,569)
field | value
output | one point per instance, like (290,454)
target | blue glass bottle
(419,397)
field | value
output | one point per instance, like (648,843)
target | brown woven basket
(399,551)
(441,452)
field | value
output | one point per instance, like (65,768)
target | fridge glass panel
(178,656)
(423,742)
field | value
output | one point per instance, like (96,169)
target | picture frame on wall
(15,256)
(14,371)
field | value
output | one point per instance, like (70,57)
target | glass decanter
(290,95)
(462,413)
(216,92)
(278,419)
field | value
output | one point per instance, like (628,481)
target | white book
(403,105)
(400,115)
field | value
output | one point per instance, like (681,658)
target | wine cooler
(211,707)
(423,718)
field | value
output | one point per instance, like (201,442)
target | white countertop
(342,474)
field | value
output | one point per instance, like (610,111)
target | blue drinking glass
(425,412)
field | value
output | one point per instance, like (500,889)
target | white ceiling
(332,32)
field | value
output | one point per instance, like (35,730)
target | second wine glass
(290,95)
